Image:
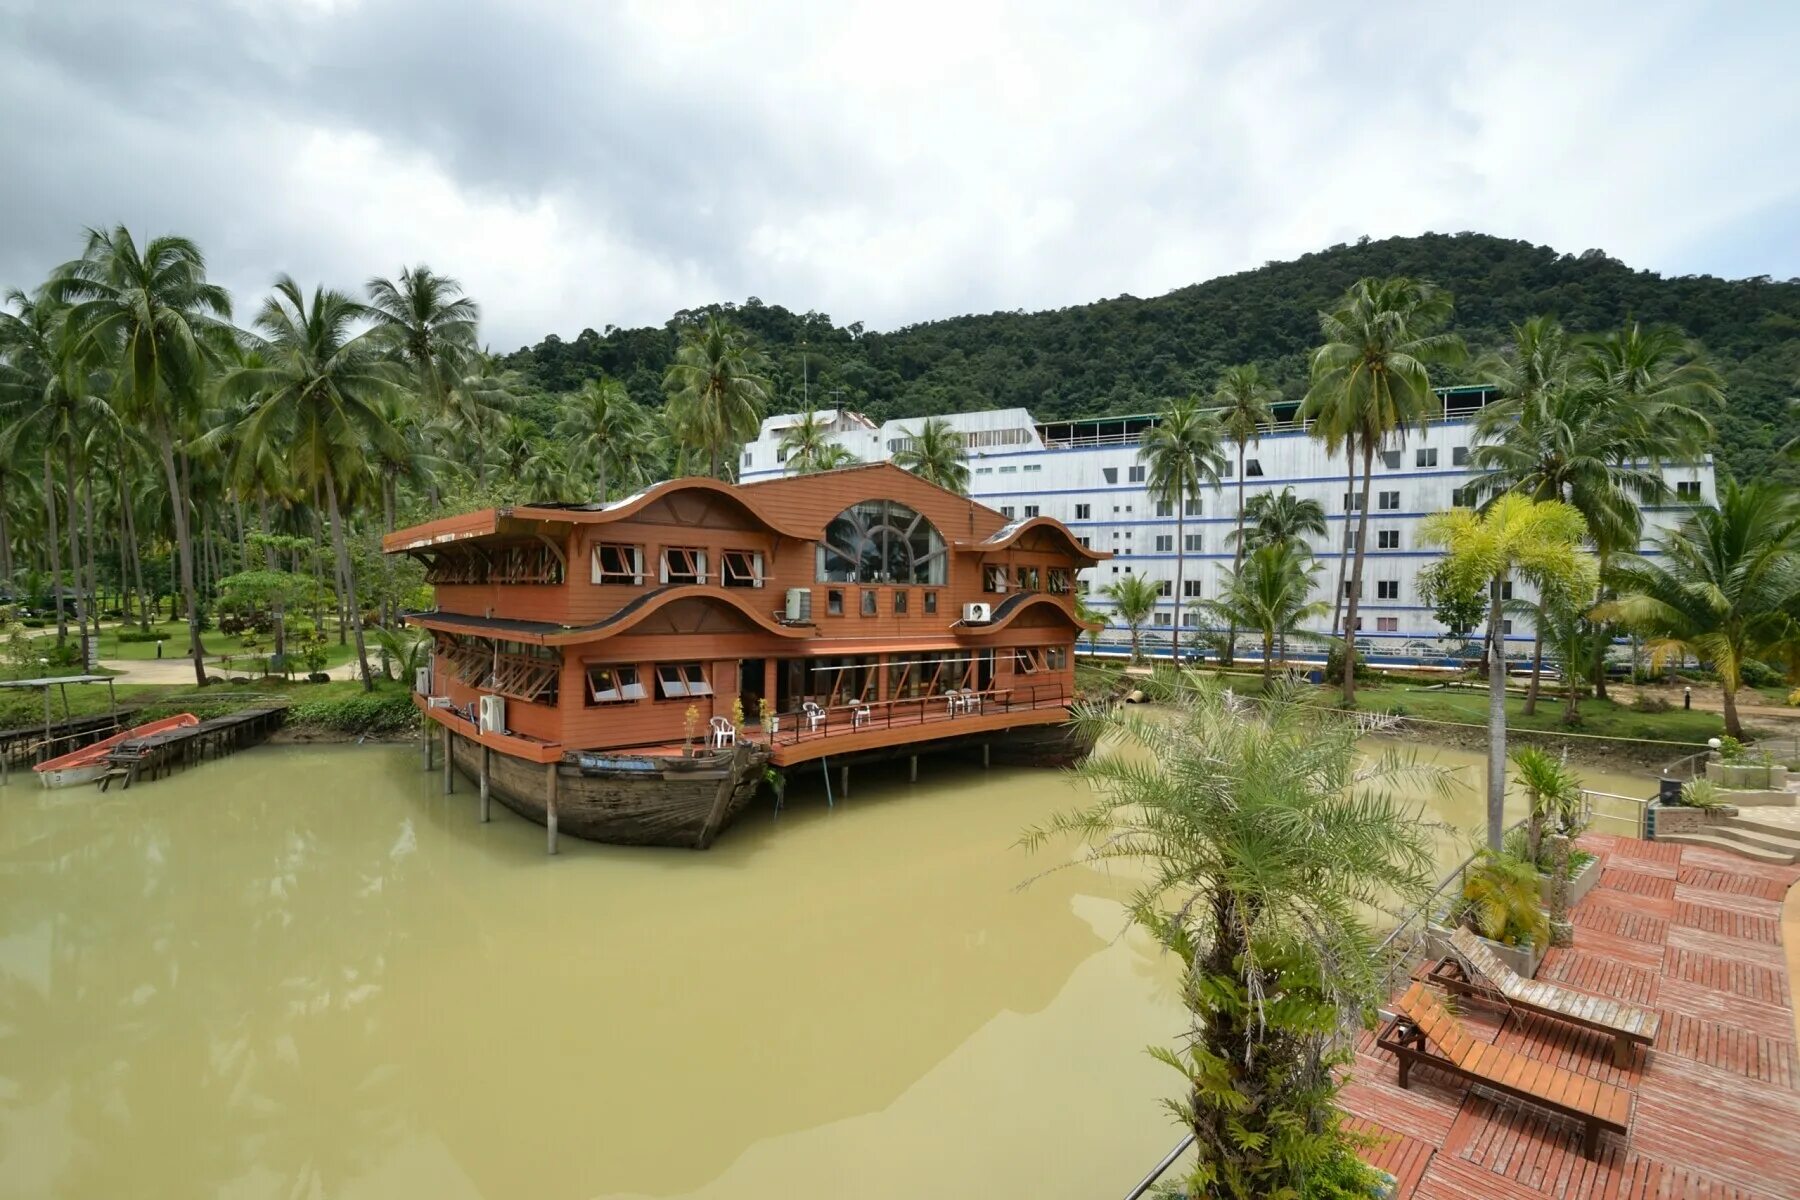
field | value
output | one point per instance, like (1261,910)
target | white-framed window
(1191,589)
(1687,491)
(615,563)
(1390,501)
(1192,508)
(1165,543)
(1193,543)
(1031,510)
(1006,510)
(1165,508)
(678,681)
(1165,587)
(741,568)
(1162,618)
(1137,474)
(1426,457)
(614,684)
(682,564)
(1387,624)
(984,470)
(1387,539)
(1387,589)
(1083,511)
(1253,468)
(1352,501)
(1030,467)
(1012,470)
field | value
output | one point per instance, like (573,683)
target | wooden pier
(34,742)
(164,753)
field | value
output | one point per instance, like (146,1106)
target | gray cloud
(583,165)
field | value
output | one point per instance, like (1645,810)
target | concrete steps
(1748,837)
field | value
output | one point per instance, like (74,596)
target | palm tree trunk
(278,605)
(600,465)
(343,562)
(56,599)
(93,572)
(1728,692)
(1537,659)
(1268,658)
(1337,607)
(6,555)
(75,573)
(1356,575)
(1601,642)
(1180,561)
(1496,764)
(184,545)
(1237,556)
(137,553)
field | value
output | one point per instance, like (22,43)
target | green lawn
(215,644)
(1603,718)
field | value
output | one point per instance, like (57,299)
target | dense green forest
(1129,354)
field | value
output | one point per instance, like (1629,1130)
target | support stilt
(985,748)
(912,768)
(825,772)
(485,752)
(550,808)
(449,764)
(425,736)
(844,781)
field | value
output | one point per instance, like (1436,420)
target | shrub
(1644,702)
(127,636)
(1731,750)
(1756,673)
(1794,698)
(1500,900)
(378,712)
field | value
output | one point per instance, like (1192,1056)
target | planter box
(1580,886)
(1749,776)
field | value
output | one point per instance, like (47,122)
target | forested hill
(1127,354)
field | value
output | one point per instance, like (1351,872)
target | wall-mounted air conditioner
(437,702)
(422,681)
(977,614)
(799,604)
(493,714)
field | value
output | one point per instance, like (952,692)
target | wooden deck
(1692,932)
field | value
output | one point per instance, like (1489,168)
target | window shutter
(756,563)
(699,566)
(662,569)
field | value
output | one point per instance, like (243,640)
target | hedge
(143,635)
(377,713)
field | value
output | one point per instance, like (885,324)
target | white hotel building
(1086,473)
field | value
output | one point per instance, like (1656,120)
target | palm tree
(548,474)
(1263,834)
(1370,380)
(1271,591)
(716,388)
(429,323)
(935,453)
(319,395)
(1182,453)
(1277,519)
(832,458)
(1551,789)
(1134,599)
(1091,619)
(155,316)
(805,443)
(1723,587)
(1244,405)
(1538,540)
(608,426)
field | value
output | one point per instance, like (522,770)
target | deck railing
(802,725)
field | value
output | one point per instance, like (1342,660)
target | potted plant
(1500,903)
(1553,796)
(690,720)
(765,714)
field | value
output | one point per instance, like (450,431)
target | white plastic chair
(859,714)
(724,733)
(971,700)
(815,716)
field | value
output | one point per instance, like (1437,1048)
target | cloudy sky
(590,164)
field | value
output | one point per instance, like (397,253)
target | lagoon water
(305,972)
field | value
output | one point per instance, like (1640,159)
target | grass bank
(316,711)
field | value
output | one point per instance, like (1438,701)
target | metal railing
(1637,821)
(803,725)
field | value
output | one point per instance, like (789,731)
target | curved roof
(1008,610)
(620,509)
(550,634)
(1009,534)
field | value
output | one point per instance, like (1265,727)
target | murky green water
(307,973)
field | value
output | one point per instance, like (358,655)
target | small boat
(89,763)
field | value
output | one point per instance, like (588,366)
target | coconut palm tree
(1134,599)
(611,429)
(832,458)
(1244,405)
(935,452)
(1182,454)
(1370,380)
(1723,587)
(1281,518)
(319,394)
(1263,833)
(154,317)
(717,389)
(428,321)
(549,475)
(1270,591)
(1538,540)
(805,442)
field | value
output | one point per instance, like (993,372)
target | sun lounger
(1424,1032)
(1478,973)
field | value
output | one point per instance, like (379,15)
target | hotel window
(1059,581)
(1137,474)
(1352,501)
(1031,510)
(1387,624)
(899,601)
(1083,511)
(834,602)
(1191,589)
(678,681)
(1463,497)
(930,603)
(741,569)
(1165,508)
(1034,466)
(1165,588)
(1083,539)
(1459,456)
(1351,538)
(1387,539)
(683,564)
(1193,543)
(1128,510)
(613,685)
(746,460)
(1006,510)
(618,564)
(993,577)
(1029,579)
(1009,470)
(1252,468)
(1387,589)
(1506,590)
(868,602)
(1390,501)
(1228,471)
(1505,627)
(1162,618)
(1192,508)
(1111,473)
(984,470)
(1426,458)
(1688,491)
(1390,459)
(1165,543)
(1347,586)
(781,454)
(1056,658)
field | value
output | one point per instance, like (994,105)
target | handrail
(1638,822)
(794,726)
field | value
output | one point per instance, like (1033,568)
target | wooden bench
(1478,973)
(1423,1022)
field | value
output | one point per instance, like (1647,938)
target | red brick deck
(1690,931)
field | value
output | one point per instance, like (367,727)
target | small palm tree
(1500,900)
(1280,518)
(430,324)
(611,429)
(717,388)
(1245,405)
(1134,599)
(803,442)
(1271,592)
(831,458)
(1538,540)
(1551,790)
(1092,619)
(1183,453)
(936,453)
(1725,585)
(1264,833)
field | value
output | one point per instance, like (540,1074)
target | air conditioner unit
(977,614)
(493,714)
(422,681)
(799,604)
(437,702)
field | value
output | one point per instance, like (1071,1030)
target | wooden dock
(164,753)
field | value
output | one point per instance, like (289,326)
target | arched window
(881,541)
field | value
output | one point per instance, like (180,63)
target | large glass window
(881,541)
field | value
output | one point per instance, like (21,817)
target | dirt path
(179,671)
